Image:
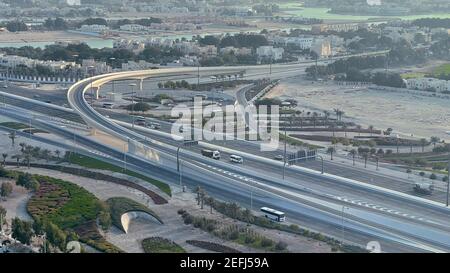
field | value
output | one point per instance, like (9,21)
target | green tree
(4,156)
(423,143)
(2,217)
(55,236)
(331,151)
(6,189)
(434,140)
(22,230)
(12,136)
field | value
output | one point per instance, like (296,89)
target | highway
(403,210)
(230,189)
(402,226)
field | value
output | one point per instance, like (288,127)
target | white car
(236,159)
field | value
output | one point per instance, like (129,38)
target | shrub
(233,235)
(181,211)
(266,242)
(249,239)
(281,246)
(188,219)
(433,176)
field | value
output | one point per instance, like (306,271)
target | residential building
(428,84)
(94,28)
(269,53)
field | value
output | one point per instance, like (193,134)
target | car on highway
(140,121)
(153,125)
(236,159)
(212,154)
(423,188)
(279,157)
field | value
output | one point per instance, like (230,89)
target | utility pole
(132,85)
(448,181)
(284,157)
(198,77)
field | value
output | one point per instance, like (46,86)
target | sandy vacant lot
(407,114)
(39,36)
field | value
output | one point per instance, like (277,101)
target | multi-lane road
(317,201)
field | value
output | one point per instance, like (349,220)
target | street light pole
(343,227)
(178,157)
(284,157)
(321,159)
(132,85)
(448,181)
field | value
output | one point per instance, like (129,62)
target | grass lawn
(161,245)
(412,75)
(70,207)
(297,142)
(14,125)
(443,69)
(93,163)
(296,8)
(120,205)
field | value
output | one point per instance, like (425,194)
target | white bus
(272,214)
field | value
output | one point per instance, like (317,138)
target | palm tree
(434,140)
(22,146)
(336,112)
(326,115)
(46,154)
(247,216)
(423,142)
(353,152)
(234,210)
(365,156)
(202,198)
(210,202)
(331,150)
(17,158)
(344,127)
(314,118)
(333,127)
(4,155)
(198,190)
(370,129)
(12,136)
(27,159)
(359,127)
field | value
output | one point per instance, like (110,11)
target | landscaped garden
(160,245)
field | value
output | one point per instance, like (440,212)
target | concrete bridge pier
(141,85)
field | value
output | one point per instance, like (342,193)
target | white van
(236,159)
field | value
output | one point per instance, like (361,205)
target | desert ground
(408,114)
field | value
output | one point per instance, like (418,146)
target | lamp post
(448,181)
(343,227)
(185,143)
(91,72)
(132,85)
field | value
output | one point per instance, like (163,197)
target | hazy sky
(374,2)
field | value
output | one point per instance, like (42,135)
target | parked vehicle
(211,154)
